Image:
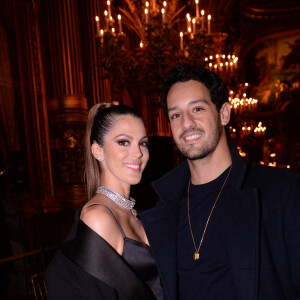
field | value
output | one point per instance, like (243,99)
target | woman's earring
(100,158)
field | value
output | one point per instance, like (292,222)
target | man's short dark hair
(184,72)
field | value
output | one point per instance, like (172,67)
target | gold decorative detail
(196,253)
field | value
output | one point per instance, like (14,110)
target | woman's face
(125,152)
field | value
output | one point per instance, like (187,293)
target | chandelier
(159,35)
(240,102)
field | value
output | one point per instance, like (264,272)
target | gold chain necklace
(196,253)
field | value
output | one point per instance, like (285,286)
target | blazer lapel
(160,224)
(98,258)
(243,242)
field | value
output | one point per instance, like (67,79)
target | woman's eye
(123,143)
(144,144)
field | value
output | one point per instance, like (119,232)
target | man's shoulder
(265,174)
(264,169)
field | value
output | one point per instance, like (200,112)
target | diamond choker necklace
(117,198)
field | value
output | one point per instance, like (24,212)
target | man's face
(195,123)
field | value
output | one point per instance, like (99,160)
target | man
(221,229)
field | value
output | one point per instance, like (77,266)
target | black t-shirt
(209,277)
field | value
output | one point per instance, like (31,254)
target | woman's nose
(137,151)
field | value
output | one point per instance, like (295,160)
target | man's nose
(187,121)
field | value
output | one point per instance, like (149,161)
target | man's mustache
(191,130)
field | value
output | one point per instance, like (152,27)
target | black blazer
(87,267)
(262,233)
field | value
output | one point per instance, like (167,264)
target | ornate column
(32,95)
(68,105)
(96,88)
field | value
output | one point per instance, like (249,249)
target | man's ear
(225,113)
(97,151)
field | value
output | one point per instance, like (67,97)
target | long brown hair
(101,118)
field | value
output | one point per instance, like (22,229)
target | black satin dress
(140,258)
(87,267)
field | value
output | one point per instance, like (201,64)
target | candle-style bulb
(208,23)
(120,23)
(194,25)
(202,19)
(181,40)
(147,16)
(197,9)
(106,19)
(108,8)
(97,25)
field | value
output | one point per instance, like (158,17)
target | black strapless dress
(140,259)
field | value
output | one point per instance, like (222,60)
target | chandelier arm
(135,12)
(173,17)
(131,22)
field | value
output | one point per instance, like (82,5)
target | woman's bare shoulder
(100,219)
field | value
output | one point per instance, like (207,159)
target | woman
(107,255)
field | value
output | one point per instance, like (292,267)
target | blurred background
(60,57)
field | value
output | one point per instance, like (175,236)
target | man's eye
(123,143)
(174,116)
(196,109)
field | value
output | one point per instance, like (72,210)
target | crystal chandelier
(159,35)
(240,102)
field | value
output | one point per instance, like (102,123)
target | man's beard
(209,145)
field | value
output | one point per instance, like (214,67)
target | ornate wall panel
(34,104)
(68,106)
